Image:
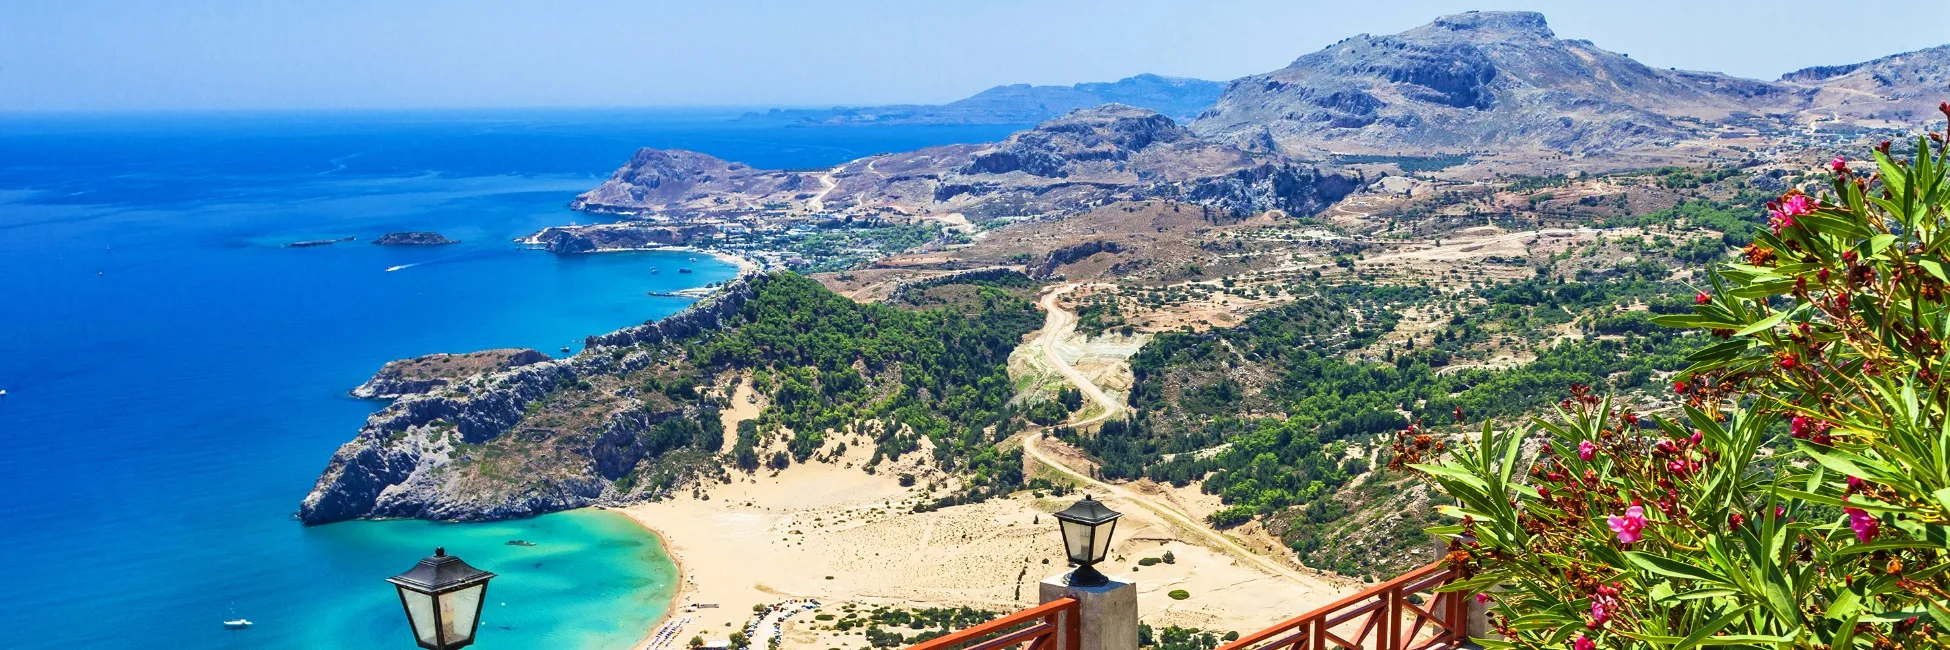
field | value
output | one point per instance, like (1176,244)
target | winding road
(1058,325)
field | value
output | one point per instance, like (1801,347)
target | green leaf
(1765,324)
(1708,629)
(1670,568)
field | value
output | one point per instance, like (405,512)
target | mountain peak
(1487,25)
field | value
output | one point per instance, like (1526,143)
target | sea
(175,377)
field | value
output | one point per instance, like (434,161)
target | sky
(118,55)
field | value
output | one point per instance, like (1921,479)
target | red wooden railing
(1049,626)
(1380,618)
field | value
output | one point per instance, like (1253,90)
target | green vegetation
(830,363)
(884,626)
(1180,638)
(1179,594)
(1197,394)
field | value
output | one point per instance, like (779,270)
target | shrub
(1149,561)
(1711,528)
(1179,594)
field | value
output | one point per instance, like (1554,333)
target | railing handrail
(1048,611)
(1361,603)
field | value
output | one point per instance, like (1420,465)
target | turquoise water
(176,379)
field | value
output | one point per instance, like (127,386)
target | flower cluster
(1798,495)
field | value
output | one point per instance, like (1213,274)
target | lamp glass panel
(419,612)
(458,610)
(1076,540)
(1100,544)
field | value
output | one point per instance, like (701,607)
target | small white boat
(238,624)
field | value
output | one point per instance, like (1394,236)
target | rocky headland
(509,443)
(1065,165)
(425,374)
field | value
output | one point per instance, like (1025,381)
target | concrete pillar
(1476,618)
(1109,614)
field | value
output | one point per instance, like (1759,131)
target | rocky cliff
(586,435)
(1476,81)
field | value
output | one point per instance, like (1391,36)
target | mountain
(1084,158)
(1176,97)
(1903,88)
(1479,80)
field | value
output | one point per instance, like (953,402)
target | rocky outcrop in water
(429,455)
(417,238)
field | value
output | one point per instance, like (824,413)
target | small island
(413,239)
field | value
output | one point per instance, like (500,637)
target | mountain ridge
(1176,97)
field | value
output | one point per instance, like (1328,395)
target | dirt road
(1059,324)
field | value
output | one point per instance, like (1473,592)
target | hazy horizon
(123,55)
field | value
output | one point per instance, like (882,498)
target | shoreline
(683,577)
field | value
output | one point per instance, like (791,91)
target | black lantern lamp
(1087,526)
(442,596)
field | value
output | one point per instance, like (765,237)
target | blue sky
(348,54)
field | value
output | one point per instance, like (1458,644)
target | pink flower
(1701,298)
(1799,425)
(1587,451)
(1583,643)
(1865,526)
(1782,214)
(1854,483)
(1630,526)
(1603,603)
(1483,598)
(1838,165)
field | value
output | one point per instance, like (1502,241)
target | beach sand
(837,534)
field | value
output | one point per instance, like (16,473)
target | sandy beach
(831,532)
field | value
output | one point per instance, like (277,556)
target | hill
(1896,90)
(1177,97)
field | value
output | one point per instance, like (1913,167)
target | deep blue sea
(175,378)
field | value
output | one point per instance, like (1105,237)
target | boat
(520,542)
(565,349)
(693,259)
(683,270)
(237,624)
(655,271)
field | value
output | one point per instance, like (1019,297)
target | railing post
(1107,616)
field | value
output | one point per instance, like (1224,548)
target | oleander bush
(1800,495)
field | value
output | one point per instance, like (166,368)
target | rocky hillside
(1178,97)
(1903,89)
(636,415)
(1474,81)
(670,177)
(1085,158)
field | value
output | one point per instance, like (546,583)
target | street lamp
(442,596)
(1083,540)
